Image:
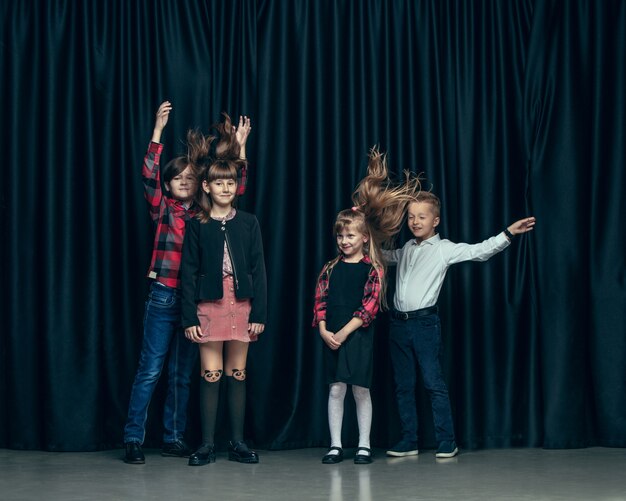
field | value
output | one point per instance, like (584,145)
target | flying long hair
(216,156)
(383,201)
(379,210)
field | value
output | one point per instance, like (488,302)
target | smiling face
(221,191)
(350,242)
(422,220)
(183,186)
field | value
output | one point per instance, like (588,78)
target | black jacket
(201,267)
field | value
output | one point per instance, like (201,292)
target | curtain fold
(508,109)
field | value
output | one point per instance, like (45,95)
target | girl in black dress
(350,290)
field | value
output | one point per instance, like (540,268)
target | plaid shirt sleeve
(152,179)
(321,295)
(371,294)
(243,180)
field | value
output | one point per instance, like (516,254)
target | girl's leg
(235,367)
(363,402)
(211,372)
(336,396)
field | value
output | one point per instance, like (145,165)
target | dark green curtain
(508,108)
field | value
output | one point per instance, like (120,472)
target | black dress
(352,363)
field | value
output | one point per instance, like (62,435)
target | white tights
(336,396)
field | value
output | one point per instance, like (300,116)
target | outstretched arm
(162,116)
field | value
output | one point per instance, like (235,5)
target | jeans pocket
(161,299)
(429,321)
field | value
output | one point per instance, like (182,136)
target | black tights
(209,399)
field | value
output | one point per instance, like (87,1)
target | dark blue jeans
(162,334)
(417,341)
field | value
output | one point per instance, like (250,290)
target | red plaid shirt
(369,304)
(170,217)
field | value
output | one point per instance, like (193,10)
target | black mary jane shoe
(333,458)
(363,458)
(204,455)
(238,451)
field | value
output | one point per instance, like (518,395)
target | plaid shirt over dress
(369,304)
(170,217)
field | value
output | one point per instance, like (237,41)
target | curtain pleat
(507,108)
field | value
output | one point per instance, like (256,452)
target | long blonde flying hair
(379,210)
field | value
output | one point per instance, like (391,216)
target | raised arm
(242,131)
(151,162)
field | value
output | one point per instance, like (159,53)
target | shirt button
(232,302)
(231,289)
(233,326)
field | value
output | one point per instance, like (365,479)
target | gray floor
(503,474)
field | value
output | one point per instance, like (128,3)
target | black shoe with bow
(238,451)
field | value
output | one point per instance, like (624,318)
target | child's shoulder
(245,215)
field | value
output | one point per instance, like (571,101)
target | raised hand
(242,131)
(162,116)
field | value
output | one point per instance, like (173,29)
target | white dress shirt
(422,267)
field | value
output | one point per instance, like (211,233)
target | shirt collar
(431,241)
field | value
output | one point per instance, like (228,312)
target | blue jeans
(162,334)
(412,342)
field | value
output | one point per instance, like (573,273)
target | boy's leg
(182,359)
(161,318)
(404,371)
(428,349)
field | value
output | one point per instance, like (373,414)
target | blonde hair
(378,212)
(431,199)
(383,201)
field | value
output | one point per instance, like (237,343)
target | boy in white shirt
(415,328)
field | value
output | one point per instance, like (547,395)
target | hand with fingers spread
(242,131)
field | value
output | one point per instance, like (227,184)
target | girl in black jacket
(223,299)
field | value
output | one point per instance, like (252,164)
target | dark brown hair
(217,156)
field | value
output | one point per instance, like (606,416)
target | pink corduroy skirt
(225,319)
